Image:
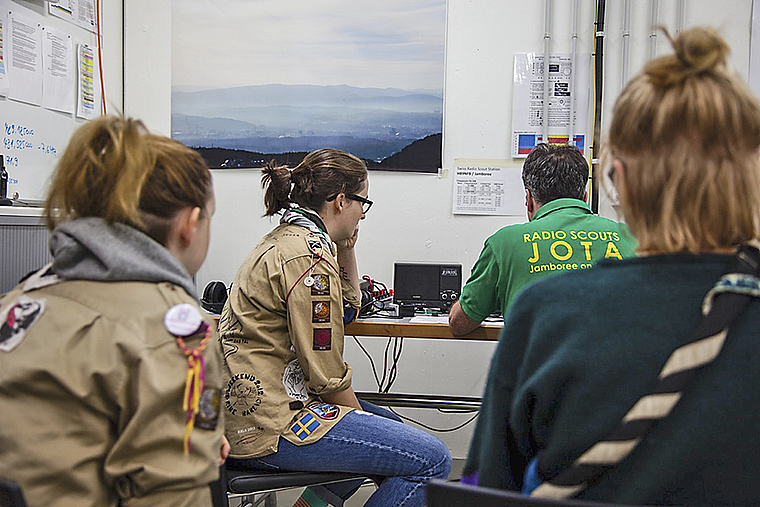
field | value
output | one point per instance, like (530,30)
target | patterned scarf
(310,220)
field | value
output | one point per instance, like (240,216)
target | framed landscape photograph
(261,80)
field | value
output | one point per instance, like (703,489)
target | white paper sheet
(57,70)
(488,187)
(25,62)
(79,12)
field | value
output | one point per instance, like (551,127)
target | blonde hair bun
(697,50)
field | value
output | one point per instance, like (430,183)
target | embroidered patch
(320,311)
(325,410)
(322,339)
(17,318)
(305,426)
(293,380)
(42,278)
(243,394)
(208,409)
(315,245)
(321,285)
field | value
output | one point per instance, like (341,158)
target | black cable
(598,92)
(398,346)
(385,364)
(371,361)
(445,430)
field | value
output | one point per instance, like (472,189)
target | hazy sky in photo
(363,43)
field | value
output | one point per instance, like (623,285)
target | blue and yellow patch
(305,426)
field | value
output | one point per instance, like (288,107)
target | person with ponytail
(110,381)
(581,398)
(288,400)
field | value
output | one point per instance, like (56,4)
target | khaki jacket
(91,397)
(282,338)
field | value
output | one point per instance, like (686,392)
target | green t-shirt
(564,235)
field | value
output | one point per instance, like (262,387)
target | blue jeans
(373,442)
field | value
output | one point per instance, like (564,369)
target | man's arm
(459,323)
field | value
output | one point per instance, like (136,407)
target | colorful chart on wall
(568,101)
(254,81)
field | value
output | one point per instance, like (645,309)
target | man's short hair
(554,171)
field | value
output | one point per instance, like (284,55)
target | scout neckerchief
(310,220)
(722,304)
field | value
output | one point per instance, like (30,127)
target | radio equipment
(425,286)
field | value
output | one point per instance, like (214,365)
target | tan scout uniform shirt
(91,389)
(282,338)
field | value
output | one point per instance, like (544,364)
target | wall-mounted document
(25,59)
(488,187)
(568,101)
(57,72)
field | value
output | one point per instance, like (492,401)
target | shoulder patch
(322,339)
(208,409)
(294,381)
(41,278)
(305,426)
(320,311)
(314,245)
(320,285)
(17,318)
(326,411)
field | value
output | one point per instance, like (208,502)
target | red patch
(322,339)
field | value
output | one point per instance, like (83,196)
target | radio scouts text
(567,250)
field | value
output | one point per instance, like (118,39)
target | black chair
(453,494)
(10,494)
(248,484)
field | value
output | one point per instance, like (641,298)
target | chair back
(453,494)
(10,494)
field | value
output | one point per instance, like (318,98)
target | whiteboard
(34,137)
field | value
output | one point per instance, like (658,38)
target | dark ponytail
(276,183)
(320,175)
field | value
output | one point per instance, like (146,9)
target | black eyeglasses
(366,203)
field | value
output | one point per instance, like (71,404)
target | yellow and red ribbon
(194,381)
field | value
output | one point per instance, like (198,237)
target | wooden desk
(406,329)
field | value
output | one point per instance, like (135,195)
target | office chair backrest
(10,494)
(453,494)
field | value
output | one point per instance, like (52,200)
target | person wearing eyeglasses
(288,400)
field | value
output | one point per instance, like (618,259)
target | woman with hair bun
(289,404)
(588,393)
(109,387)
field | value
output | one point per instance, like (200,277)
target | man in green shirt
(562,234)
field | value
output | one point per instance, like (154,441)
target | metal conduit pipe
(653,27)
(626,44)
(681,15)
(547,49)
(598,92)
(574,70)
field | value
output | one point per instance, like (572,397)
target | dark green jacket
(579,349)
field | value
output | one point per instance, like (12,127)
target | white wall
(412,218)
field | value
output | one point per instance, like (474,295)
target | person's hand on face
(349,243)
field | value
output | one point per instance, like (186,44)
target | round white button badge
(308,281)
(182,320)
